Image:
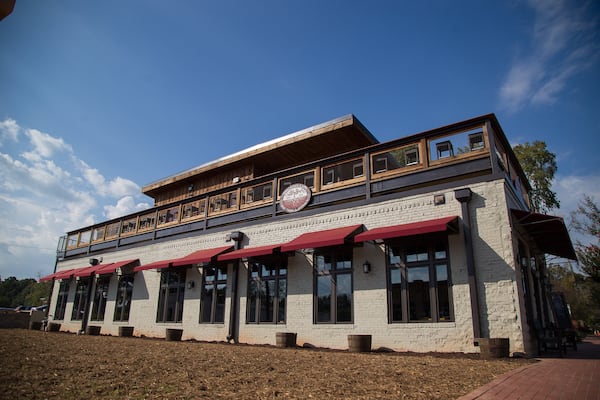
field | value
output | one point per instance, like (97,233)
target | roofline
(346,120)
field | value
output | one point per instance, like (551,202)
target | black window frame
(171,291)
(398,265)
(61,300)
(216,280)
(123,298)
(338,254)
(267,272)
(80,299)
(100,298)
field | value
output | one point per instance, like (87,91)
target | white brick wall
(494,260)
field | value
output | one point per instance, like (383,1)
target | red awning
(112,267)
(330,237)
(200,256)
(415,228)
(249,252)
(154,265)
(47,277)
(548,232)
(65,274)
(85,271)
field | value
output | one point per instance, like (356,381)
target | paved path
(575,377)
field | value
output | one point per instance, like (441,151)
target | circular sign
(295,198)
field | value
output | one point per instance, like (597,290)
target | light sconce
(366,267)
(523,262)
(191,284)
(439,199)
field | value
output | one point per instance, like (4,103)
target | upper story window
(129,226)
(85,237)
(168,216)
(223,202)
(147,221)
(394,159)
(345,171)
(192,210)
(258,193)
(457,144)
(305,178)
(72,240)
(98,233)
(112,230)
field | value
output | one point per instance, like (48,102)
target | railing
(378,163)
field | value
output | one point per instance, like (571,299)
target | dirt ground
(54,365)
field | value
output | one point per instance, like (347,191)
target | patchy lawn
(40,365)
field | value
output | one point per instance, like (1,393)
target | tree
(586,220)
(539,165)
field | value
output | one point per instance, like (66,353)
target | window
(257,193)
(267,290)
(112,230)
(72,240)
(129,226)
(396,158)
(169,215)
(170,298)
(306,178)
(223,202)
(419,288)
(61,300)
(333,285)
(147,221)
(98,233)
(214,287)
(123,301)
(342,172)
(100,295)
(84,238)
(80,300)
(195,209)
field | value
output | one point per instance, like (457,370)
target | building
(425,243)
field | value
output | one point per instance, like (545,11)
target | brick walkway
(577,376)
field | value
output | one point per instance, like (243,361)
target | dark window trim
(334,251)
(124,295)
(214,283)
(280,261)
(165,289)
(100,298)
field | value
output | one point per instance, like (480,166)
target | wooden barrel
(35,325)
(126,331)
(359,343)
(493,348)
(174,335)
(92,330)
(285,339)
(53,327)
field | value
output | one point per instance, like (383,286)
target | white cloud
(45,191)
(562,45)
(125,205)
(8,130)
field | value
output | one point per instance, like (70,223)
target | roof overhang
(548,232)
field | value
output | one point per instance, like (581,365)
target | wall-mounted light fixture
(439,199)
(523,262)
(191,284)
(366,267)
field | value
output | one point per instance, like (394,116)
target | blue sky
(100,98)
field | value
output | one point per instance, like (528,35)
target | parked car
(40,308)
(23,309)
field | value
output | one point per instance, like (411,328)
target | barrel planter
(174,335)
(493,348)
(35,325)
(285,339)
(53,327)
(92,330)
(359,343)
(126,331)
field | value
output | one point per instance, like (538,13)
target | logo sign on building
(295,198)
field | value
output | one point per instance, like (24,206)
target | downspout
(464,196)
(237,237)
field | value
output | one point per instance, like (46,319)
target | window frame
(80,299)
(124,295)
(254,314)
(217,309)
(61,300)
(165,296)
(100,298)
(337,254)
(433,244)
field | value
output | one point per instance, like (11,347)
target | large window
(61,300)
(214,287)
(170,299)
(80,300)
(267,290)
(100,295)
(123,301)
(419,285)
(333,285)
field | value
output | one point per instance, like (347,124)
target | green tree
(15,292)
(586,220)
(539,165)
